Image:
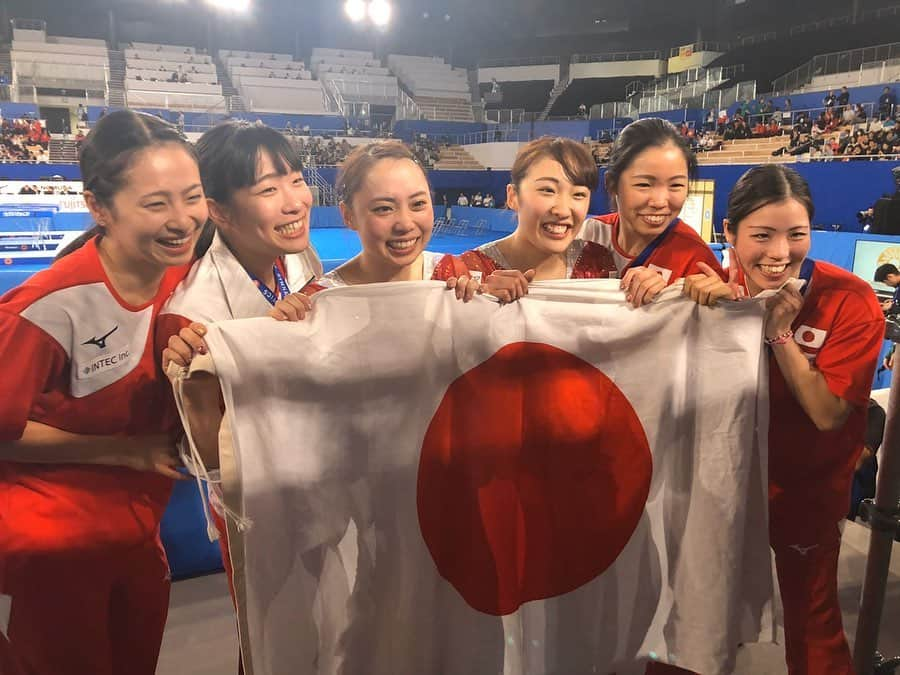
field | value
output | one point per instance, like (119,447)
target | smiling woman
(86,467)
(552,180)
(386,199)
(259,203)
(647,179)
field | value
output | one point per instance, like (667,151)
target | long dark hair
(107,153)
(229,156)
(649,132)
(764,185)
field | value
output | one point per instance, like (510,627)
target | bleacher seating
(56,63)
(272,82)
(748,151)
(531,96)
(171,76)
(440,91)
(357,75)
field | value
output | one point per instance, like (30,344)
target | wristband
(779,339)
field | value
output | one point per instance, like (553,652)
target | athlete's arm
(202,399)
(43,444)
(808,385)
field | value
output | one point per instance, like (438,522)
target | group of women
(189,235)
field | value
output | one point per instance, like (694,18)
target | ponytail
(79,241)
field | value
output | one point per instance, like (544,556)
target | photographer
(886,212)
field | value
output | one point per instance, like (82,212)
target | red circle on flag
(534,474)
(808,336)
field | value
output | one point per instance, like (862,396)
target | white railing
(850,61)
(646,55)
(519,61)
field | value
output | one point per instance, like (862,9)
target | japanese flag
(560,485)
(810,337)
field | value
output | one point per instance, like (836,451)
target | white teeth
(773,269)
(655,220)
(402,245)
(290,228)
(553,228)
(175,242)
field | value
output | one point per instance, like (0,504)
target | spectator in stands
(861,114)
(495,86)
(488,201)
(477,199)
(710,122)
(180,121)
(183,79)
(829,100)
(462,200)
(787,112)
(886,103)
(582,111)
(843,99)
(849,115)
(723,121)
(766,108)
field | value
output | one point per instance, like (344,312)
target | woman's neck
(629,241)
(258,265)
(136,281)
(368,269)
(522,255)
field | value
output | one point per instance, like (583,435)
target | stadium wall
(646,68)
(519,73)
(840,189)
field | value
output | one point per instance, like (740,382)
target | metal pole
(883,518)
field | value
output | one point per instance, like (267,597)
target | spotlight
(355,10)
(230,5)
(380,12)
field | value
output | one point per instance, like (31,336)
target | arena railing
(700,47)
(506,62)
(851,60)
(873,114)
(646,55)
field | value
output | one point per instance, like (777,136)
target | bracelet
(780,339)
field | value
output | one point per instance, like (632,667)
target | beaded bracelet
(780,339)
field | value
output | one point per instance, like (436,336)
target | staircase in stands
(447,109)
(116,78)
(555,93)
(6,62)
(456,158)
(62,150)
(232,97)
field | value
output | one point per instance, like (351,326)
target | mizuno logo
(100,342)
(803,550)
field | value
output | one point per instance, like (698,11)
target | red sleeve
(706,255)
(167,325)
(40,364)
(849,356)
(445,268)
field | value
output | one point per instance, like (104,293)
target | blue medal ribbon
(281,287)
(644,255)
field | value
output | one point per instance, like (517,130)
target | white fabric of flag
(560,485)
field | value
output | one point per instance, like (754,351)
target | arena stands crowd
(23,140)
